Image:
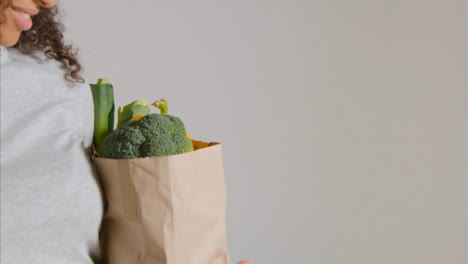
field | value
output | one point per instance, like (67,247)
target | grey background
(344,123)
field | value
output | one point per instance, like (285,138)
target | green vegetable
(103,97)
(135,108)
(151,136)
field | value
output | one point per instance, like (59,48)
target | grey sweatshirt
(51,199)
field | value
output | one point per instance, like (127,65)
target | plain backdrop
(344,124)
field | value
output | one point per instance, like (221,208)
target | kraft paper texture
(164,210)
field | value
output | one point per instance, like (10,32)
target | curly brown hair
(46,36)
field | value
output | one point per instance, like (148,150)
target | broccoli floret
(151,136)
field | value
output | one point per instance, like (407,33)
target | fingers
(244,262)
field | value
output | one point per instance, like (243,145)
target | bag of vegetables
(166,196)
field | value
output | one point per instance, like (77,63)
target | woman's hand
(244,262)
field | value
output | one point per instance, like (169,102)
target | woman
(51,201)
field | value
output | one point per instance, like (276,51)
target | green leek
(103,96)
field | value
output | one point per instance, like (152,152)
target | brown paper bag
(164,210)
